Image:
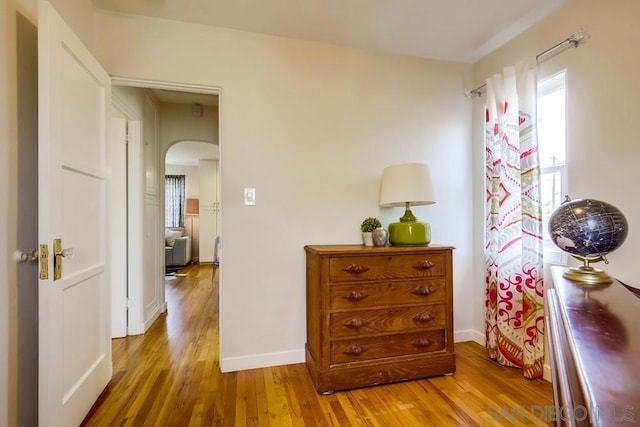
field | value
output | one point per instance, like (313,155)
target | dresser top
(603,324)
(373,250)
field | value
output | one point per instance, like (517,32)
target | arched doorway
(197,163)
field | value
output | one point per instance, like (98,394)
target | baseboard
(469,335)
(265,360)
(231,364)
(135,329)
(154,315)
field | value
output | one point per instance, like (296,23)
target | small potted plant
(367,226)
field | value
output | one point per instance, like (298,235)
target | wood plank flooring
(170,377)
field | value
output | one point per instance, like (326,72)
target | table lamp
(192,208)
(406,185)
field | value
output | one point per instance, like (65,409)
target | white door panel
(84,98)
(152,301)
(74,329)
(86,195)
(150,134)
(83,297)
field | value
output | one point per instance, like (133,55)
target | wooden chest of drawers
(594,350)
(378,315)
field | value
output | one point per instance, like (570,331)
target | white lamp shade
(409,182)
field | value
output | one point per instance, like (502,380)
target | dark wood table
(594,336)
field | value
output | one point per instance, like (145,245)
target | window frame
(551,254)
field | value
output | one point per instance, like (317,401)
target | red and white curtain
(513,246)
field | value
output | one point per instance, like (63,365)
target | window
(174,200)
(551,145)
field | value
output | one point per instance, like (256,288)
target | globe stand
(587,275)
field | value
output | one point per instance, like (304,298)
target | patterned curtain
(513,246)
(174,200)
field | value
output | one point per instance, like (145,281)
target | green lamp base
(409,232)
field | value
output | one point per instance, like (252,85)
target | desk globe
(589,230)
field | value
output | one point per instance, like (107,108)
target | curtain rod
(574,39)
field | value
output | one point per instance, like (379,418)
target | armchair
(177,249)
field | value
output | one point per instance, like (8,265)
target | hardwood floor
(170,377)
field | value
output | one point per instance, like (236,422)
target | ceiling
(455,30)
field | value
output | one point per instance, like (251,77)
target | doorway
(153,111)
(192,209)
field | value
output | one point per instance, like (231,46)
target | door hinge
(129,304)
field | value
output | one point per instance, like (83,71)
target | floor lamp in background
(192,208)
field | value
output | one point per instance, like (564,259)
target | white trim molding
(469,335)
(265,360)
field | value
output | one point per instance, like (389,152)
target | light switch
(249,196)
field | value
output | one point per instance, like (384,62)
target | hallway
(164,374)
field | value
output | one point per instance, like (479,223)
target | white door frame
(136,191)
(117,198)
(134,211)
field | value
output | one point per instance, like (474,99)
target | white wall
(603,111)
(76,13)
(131,98)
(192,181)
(178,124)
(310,126)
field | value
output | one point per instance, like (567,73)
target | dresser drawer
(367,322)
(377,315)
(344,269)
(355,350)
(362,295)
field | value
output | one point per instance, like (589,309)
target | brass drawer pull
(422,342)
(424,265)
(355,323)
(423,291)
(424,317)
(355,349)
(356,268)
(355,296)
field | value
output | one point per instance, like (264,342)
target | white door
(74,328)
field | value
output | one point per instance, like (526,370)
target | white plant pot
(367,238)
